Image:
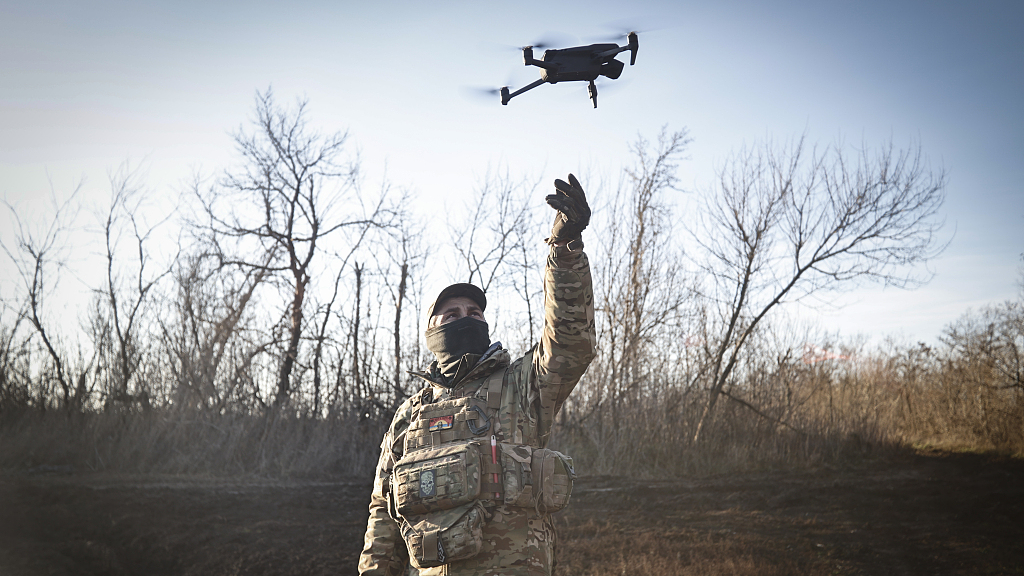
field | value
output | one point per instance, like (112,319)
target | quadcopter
(579,63)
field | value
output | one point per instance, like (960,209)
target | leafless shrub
(785,224)
(630,396)
(38,256)
(291,195)
(978,397)
(496,244)
(244,364)
(121,311)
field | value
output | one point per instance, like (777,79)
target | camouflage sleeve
(384,552)
(568,342)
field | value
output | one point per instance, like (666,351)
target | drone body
(577,64)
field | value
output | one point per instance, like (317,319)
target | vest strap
(430,546)
(489,488)
(494,385)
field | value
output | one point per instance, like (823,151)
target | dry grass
(782,415)
(173,442)
(794,415)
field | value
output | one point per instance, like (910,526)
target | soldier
(465,484)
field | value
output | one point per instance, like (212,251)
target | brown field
(925,513)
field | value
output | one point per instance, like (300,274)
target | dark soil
(922,514)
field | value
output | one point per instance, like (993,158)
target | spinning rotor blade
(553,40)
(517,77)
(481,94)
(480,91)
(619,30)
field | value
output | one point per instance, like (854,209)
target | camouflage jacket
(517,540)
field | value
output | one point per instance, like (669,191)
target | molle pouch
(437,478)
(553,475)
(442,537)
(448,421)
(536,478)
(517,464)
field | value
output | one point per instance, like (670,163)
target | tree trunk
(355,332)
(398,332)
(292,353)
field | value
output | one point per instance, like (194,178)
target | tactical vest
(464,456)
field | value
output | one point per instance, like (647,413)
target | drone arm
(612,51)
(633,45)
(529,60)
(505,96)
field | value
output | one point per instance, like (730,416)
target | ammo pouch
(537,477)
(440,478)
(446,536)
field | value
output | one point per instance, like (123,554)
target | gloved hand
(573,210)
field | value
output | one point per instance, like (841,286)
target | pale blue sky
(85,85)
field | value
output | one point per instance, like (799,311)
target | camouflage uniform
(516,540)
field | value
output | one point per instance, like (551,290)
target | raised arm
(568,342)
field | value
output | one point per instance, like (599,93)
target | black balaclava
(452,341)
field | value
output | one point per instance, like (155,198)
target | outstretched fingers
(576,187)
(563,203)
(572,189)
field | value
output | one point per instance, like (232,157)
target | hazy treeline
(276,338)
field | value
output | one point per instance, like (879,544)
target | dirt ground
(920,514)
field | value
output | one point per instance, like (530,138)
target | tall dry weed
(189,442)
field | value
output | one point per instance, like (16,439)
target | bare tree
(357,316)
(785,223)
(992,342)
(525,273)
(640,287)
(283,202)
(38,257)
(325,310)
(128,284)
(649,290)
(489,236)
(405,253)
(204,336)
(15,380)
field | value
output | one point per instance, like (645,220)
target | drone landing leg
(592,91)
(505,99)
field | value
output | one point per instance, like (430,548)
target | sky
(86,86)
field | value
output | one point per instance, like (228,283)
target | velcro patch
(441,423)
(428,485)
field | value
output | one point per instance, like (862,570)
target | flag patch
(441,423)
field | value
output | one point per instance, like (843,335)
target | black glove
(573,210)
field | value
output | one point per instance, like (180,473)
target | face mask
(450,342)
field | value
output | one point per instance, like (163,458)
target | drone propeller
(481,92)
(552,40)
(621,29)
(489,93)
(516,77)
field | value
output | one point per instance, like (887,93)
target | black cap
(462,289)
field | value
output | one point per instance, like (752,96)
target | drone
(576,64)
